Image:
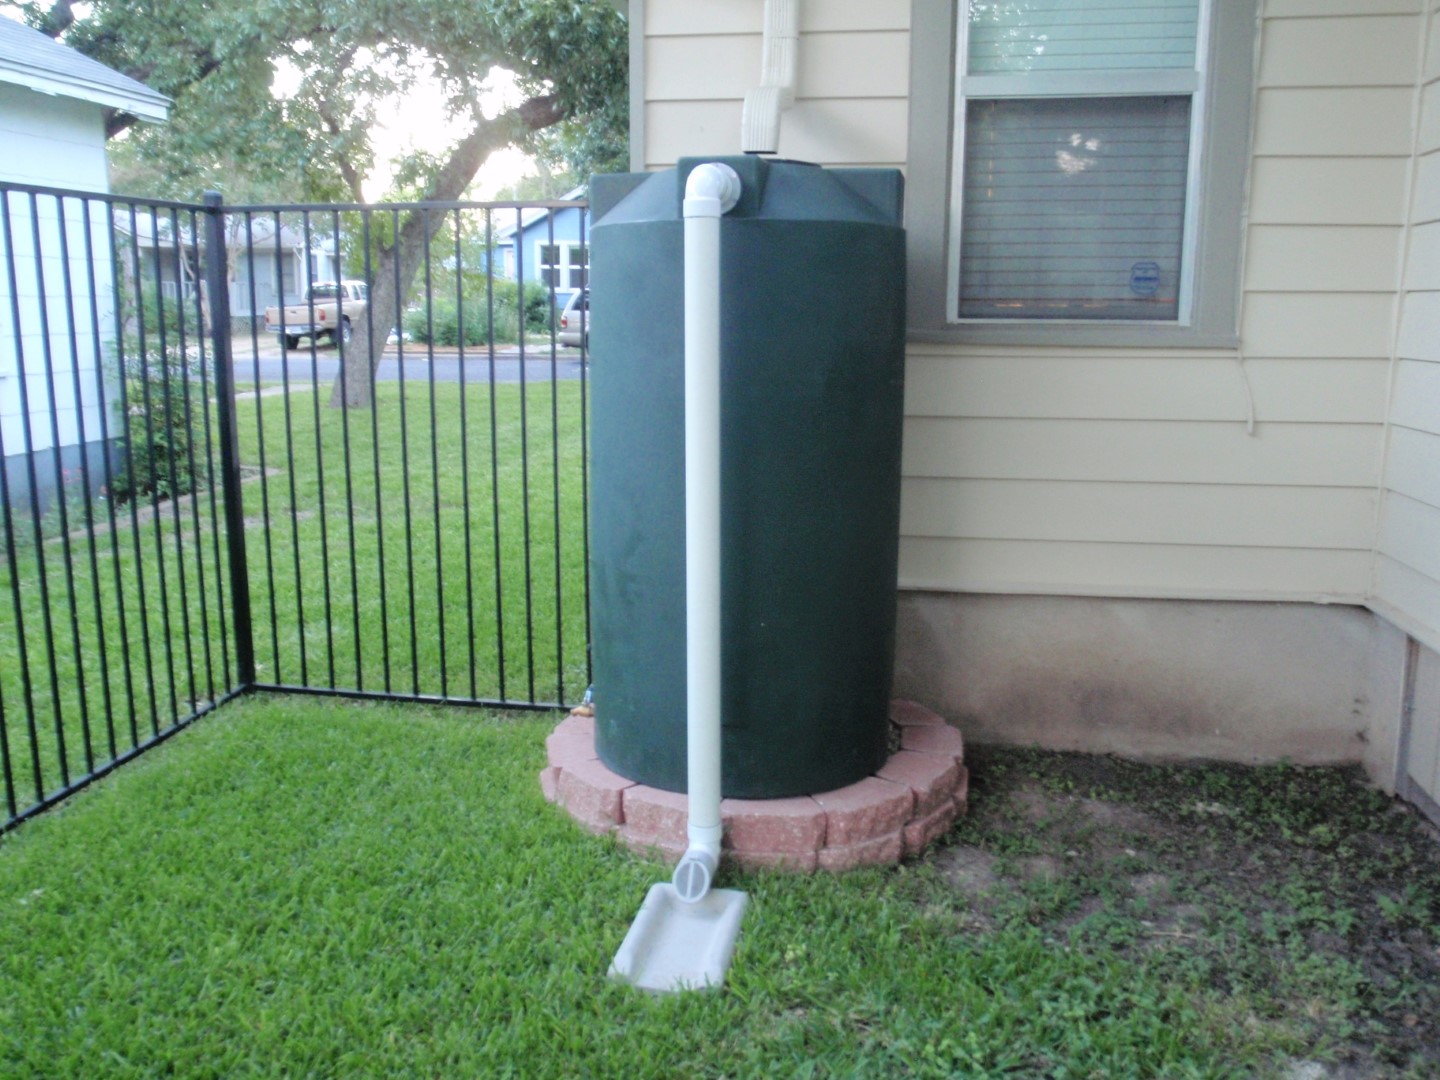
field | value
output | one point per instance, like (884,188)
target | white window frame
(566,272)
(1220,89)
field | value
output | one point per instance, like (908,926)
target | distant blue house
(548,247)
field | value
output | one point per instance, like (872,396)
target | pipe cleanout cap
(694,875)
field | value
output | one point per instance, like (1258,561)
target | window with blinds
(1075,158)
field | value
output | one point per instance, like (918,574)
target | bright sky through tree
(419,121)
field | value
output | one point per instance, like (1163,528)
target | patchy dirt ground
(1306,897)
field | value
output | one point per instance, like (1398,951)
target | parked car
(575,320)
(332,304)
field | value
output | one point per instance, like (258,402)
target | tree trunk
(395,269)
(400,260)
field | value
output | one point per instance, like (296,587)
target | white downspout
(760,118)
(711,190)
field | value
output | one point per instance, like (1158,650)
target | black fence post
(217,285)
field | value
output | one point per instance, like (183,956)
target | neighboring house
(548,247)
(1172,445)
(255,259)
(269,266)
(53,102)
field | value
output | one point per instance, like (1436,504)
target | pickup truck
(327,310)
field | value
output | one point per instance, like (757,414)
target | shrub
(441,323)
(163,431)
(154,311)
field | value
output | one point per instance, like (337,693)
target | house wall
(57,142)
(1110,471)
(1130,472)
(1224,680)
(560,227)
(1419,778)
(52,141)
(1407,558)
(259,265)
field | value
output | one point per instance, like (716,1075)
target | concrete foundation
(1164,680)
(1419,779)
(49,473)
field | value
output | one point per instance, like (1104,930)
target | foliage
(163,424)
(577,151)
(284,98)
(441,321)
(152,313)
(541,186)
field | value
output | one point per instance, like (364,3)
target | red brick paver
(922,831)
(932,777)
(912,800)
(905,713)
(592,794)
(566,748)
(655,815)
(773,825)
(943,739)
(864,811)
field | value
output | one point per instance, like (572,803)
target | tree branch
(58,19)
(399,261)
(326,111)
(540,112)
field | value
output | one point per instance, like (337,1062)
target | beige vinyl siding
(1407,561)
(1130,472)
(1133,570)
(1406,572)
(850,105)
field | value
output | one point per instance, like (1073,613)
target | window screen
(1074,207)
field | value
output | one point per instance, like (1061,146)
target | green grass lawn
(449,517)
(308,888)
(401,550)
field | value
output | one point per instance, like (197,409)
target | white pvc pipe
(710,191)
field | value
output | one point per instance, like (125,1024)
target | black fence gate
(189,511)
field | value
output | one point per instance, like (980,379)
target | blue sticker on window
(1145,278)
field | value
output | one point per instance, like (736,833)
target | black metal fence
(189,510)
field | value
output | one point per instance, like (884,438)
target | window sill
(1063,335)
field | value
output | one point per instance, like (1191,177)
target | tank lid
(783,190)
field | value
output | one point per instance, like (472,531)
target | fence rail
(188,511)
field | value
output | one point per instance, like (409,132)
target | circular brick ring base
(881,819)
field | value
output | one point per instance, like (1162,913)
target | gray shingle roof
(29,58)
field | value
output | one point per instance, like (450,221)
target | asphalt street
(269,364)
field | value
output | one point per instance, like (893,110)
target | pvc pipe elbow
(711,189)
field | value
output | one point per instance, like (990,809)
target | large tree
(345,58)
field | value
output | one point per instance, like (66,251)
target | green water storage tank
(812,359)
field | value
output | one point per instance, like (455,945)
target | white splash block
(675,946)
